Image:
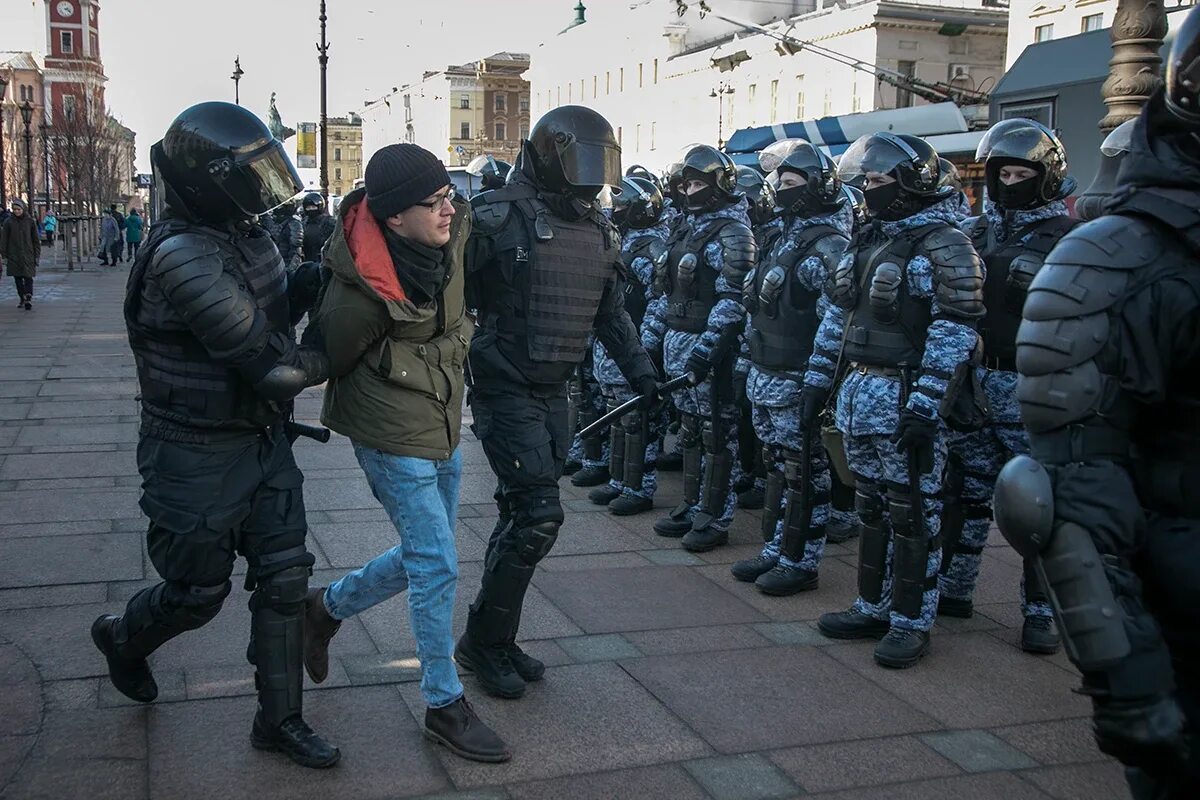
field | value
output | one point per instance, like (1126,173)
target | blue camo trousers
(877,467)
(978,458)
(621,393)
(779,429)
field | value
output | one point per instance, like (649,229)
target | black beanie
(401,175)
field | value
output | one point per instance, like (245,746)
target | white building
(653,75)
(423,112)
(1031,21)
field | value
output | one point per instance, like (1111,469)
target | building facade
(344,153)
(666,82)
(21,82)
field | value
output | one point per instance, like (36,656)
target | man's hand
(915,433)
(651,399)
(699,364)
(1145,733)
(812,403)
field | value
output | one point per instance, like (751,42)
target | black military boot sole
(673,528)
(296,741)
(590,476)
(751,499)
(955,607)
(494,681)
(785,581)
(704,540)
(748,569)
(851,625)
(627,505)
(603,495)
(131,678)
(1040,638)
(901,649)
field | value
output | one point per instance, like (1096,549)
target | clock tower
(74,77)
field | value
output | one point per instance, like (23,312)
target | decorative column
(1135,70)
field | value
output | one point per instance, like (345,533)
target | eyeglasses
(435,205)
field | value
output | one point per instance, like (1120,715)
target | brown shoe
(319,630)
(456,728)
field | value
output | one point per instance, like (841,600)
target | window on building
(958,45)
(464,130)
(608,83)
(337,173)
(618,135)
(69,107)
(570,94)
(653,131)
(1092,22)
(1043,33)
(827,105)
(656,70)
(595,86)
(337,154)
(66,40)
(501,132)
(799,97)
(502,101)
(905,99)
(1037,110)
(524,130)
(639,75)
(621,81)
(464,100)
(774,114)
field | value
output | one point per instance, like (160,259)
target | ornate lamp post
(3,181)
(27,118)
(236,77)
(44,129)
(719,93)
(1135,69)
(323,60)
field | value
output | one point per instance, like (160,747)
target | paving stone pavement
(665,677)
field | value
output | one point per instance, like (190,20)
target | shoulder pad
(1111,242)
(830,249)
(1073,291)
(1046,346)
(957,272)
(1052,401)
(843,288)
(193,250)
(488,216)
(739,251)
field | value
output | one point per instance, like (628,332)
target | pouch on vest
(965,406)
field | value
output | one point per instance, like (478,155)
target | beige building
(344,152)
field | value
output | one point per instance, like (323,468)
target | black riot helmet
(858,203)
(286,210)
(313,202)
(759,193)
(574,152)
(912,161)
(638,171)
(717,172)
(219,163)
(1024,143)
(1183,73)
(950,176)
(492,172)
(638,205)
(822,189)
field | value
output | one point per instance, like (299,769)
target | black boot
(603,495)
(590,476)
(319,630)
(748,569)
(674,525)
(459,730)
(28,302)
(751,499)
(492,666)
(295,740)
(837,531)
(629,504)
(901,648)
(529,668)
(571,466)
(955,607)
(132,677)
(851,624)
(783,581)
(1039,635)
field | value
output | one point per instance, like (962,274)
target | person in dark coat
(20,249)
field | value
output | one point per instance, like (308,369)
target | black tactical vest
(691,291)
(180,382)
(998,328)
(887,328)
(781,333)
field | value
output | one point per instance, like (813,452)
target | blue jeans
(421,497)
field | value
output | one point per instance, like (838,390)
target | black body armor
(687,279)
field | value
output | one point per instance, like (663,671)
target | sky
(162,56)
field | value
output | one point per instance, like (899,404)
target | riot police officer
(492,172)
(634,441)
(701,275)
(207,310)
(318,226)
(1108,355)
(783,296)
(1025,169)
(544,269)
(905,302)
(288,234)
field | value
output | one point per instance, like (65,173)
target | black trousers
(24,286)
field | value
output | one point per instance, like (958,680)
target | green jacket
(396,368)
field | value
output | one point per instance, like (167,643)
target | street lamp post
(719,93)
(3,180)
(323,60)
(45,131)
(27,118)
(236,77)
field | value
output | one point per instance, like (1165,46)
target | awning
(948,144)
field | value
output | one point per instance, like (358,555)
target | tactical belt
(874,369)
(1080,443)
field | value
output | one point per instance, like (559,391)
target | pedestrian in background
(50,225)
(133,233)
(20,249)
(110,238)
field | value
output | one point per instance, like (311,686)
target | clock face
(65,9)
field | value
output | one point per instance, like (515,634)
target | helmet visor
(1120,140)
(262,180)
(477,165)
(870,153)
(590,163)
(1021,139)
(771,156)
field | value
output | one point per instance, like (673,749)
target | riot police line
(863,329)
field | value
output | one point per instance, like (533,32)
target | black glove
(812,403)
(915,433)
(648,389)
(1145,733)
(699,364)
(740,399)
(303,287)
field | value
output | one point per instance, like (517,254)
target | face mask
(1017,196)
(880,198)
(701,200)
(787,198)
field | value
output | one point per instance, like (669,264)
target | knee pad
(196,605)
(282,591)
(535,541)
(689,430)
(869,503)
